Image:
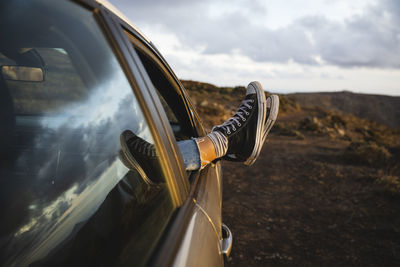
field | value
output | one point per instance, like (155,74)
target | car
(74,76)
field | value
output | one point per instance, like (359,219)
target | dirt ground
(301,204)
(325,190)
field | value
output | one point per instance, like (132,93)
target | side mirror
(22,73)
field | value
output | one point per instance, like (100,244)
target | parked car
(74,76)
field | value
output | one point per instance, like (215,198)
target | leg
(240,138)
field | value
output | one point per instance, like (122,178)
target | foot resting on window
(247,130)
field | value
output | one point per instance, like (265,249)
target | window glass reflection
(68,192)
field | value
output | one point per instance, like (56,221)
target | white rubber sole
(262,113)
(273,114)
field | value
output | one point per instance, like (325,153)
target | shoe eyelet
(228,132)
(250,107)
(244,119)
(247,113)
(239,124)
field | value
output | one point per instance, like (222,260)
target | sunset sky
(290,46)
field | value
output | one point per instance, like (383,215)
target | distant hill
(217,103)
(379,108)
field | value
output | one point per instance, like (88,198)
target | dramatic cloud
(369,39)
(298,45)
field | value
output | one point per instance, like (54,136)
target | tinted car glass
(68,196)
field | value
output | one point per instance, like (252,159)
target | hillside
(379,108)
(325,190)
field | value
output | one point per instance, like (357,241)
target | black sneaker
(245,130)
(137,154)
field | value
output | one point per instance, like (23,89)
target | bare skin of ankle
(207,150)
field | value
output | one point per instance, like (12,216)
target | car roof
(119,14)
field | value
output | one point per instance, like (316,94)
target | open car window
(167,91)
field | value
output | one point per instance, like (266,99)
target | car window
(70,193)
(167,91)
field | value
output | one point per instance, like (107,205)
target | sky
(289,45)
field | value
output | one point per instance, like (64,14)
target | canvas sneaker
(245,130)
(138,154)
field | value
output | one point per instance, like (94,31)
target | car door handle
(226,242)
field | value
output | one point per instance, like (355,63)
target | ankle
(206,150)
(211,147)
(220,142)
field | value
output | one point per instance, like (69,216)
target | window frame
(180,103)
(171,241)
(151,51)
(171,159)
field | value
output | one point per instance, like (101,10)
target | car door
(68,196)
(200,242)
(194,235)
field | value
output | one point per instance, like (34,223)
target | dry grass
(367,153)
(390,183)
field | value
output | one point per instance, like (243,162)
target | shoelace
(142,146)
(239,115)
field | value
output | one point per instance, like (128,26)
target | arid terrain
(325,190)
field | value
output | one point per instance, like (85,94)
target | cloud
(369,39)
